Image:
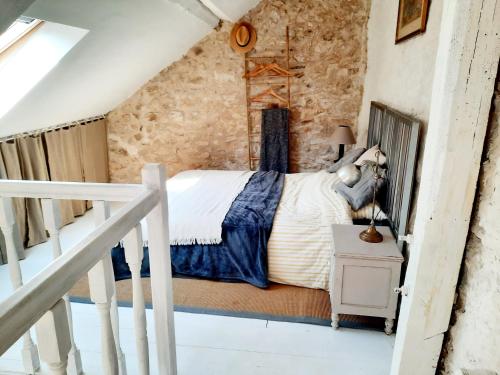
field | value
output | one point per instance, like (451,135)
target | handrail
(30,302)
(70,190)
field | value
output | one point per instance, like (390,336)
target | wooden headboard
(398,135)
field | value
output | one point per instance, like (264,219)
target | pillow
(361,193)
(366,213)
(370,155)
(349,157)
(349,174)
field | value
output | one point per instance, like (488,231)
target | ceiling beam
(217,10)
(198,9)
(230,10)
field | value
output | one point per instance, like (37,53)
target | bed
(290,237)
(261,227)
(280,233)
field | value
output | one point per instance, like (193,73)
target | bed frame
(397,135)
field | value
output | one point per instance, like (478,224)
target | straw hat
(243,37)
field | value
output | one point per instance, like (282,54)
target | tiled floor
(219,345)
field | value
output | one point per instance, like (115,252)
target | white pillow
(370,155)
(366,212)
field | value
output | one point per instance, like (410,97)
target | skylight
(29,50)
(16,31)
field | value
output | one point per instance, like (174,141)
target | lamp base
(341,152)
(371,235)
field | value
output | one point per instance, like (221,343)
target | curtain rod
(54,127)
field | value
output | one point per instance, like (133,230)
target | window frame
(33,25)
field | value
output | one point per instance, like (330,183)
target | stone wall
(193,113)
(473,342)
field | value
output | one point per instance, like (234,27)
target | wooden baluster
(102,213)
(115,321)
(54,329)
(101,285)
(52,218)
(133,255)
(115,324)
(29,352)
(153,177)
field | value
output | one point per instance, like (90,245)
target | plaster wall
(399,75)
(473,340)
(193,114)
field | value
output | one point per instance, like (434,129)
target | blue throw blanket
(242,255)
(274,140)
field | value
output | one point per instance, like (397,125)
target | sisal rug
(278,302)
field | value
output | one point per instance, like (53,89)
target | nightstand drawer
(366,286)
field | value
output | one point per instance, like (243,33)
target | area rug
(277,302)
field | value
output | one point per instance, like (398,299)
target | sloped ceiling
(128,42)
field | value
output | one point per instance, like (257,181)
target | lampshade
(343,135)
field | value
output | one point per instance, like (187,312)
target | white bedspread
(198,201)
(300,247)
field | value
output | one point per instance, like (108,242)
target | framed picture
(412,18)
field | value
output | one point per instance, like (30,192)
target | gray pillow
(362,192)
(349,157)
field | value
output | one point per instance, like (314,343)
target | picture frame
(412,18)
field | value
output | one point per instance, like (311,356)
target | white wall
(129,41)
(399,75)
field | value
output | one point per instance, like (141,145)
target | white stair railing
(134,254)
(29,352)
(42,301)
(51,210)
(101,214)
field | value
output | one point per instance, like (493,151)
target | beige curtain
(95,151)
(72,144)
(33,167)
(65,164)
(11,170)
(77,153)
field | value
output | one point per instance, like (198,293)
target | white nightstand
(364,275)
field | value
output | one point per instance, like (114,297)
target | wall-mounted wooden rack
(273,72)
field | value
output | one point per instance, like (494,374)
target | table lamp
(343,136)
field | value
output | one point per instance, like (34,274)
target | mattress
(300,246)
